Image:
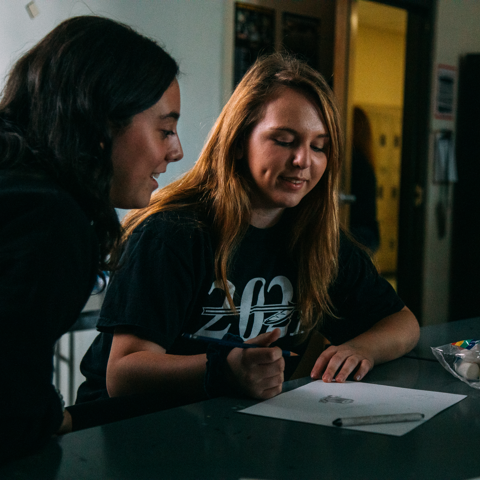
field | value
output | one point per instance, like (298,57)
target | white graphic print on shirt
(281,314)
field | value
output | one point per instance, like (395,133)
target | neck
(265,218)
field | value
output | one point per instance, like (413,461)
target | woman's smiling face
(286,155)
(144,149)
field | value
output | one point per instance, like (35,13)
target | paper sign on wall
(445,92)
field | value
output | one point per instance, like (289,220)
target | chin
(288,204)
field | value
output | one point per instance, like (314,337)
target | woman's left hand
(389,338)
(342,360)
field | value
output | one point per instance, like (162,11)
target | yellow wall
(378,83)
(379,67)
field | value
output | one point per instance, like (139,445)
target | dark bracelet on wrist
(215,383)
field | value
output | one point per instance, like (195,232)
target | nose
(176,152)
(301,157)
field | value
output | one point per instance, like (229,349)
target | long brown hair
(219,184)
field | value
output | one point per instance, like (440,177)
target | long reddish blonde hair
(218,185)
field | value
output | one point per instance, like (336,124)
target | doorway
(377,98)
(400,129)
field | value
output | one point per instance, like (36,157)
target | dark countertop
(211,440)
(437,335)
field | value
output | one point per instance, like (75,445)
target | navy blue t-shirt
(167,287)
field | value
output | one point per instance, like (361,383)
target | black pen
(229,343)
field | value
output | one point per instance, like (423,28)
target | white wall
(191,30)
(457,32)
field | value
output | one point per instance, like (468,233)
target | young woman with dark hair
(87,123)
(247,243)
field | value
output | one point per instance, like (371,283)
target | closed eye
(168,133)
(318,149)
(283,144)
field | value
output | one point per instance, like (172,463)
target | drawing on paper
(335,399)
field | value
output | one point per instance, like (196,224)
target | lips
(294,180)
(155,176)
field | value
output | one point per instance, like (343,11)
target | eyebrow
(173,114)
(294,132)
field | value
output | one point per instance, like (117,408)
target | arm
(66,426)
(137,365)
(45,237)
(184,255)
(390,338)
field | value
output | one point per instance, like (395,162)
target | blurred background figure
(363,212)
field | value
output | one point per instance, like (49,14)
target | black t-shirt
(48,262)
(167,287)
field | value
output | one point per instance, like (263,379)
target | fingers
(258,372)
(362,370)
(322,362)
(271,392)
(265,339)
(339,362)
(342,372)
(266,387)
(339,359)
(260,356)
(256,367)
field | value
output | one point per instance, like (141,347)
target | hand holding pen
(253,368)
(258,372)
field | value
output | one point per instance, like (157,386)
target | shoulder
(354,264)
(36,213)
(177,230)
(39,195)
(349,250)
(174,224)
(20,184)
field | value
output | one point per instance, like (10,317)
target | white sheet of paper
(322,403)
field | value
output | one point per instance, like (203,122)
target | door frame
(415,133)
